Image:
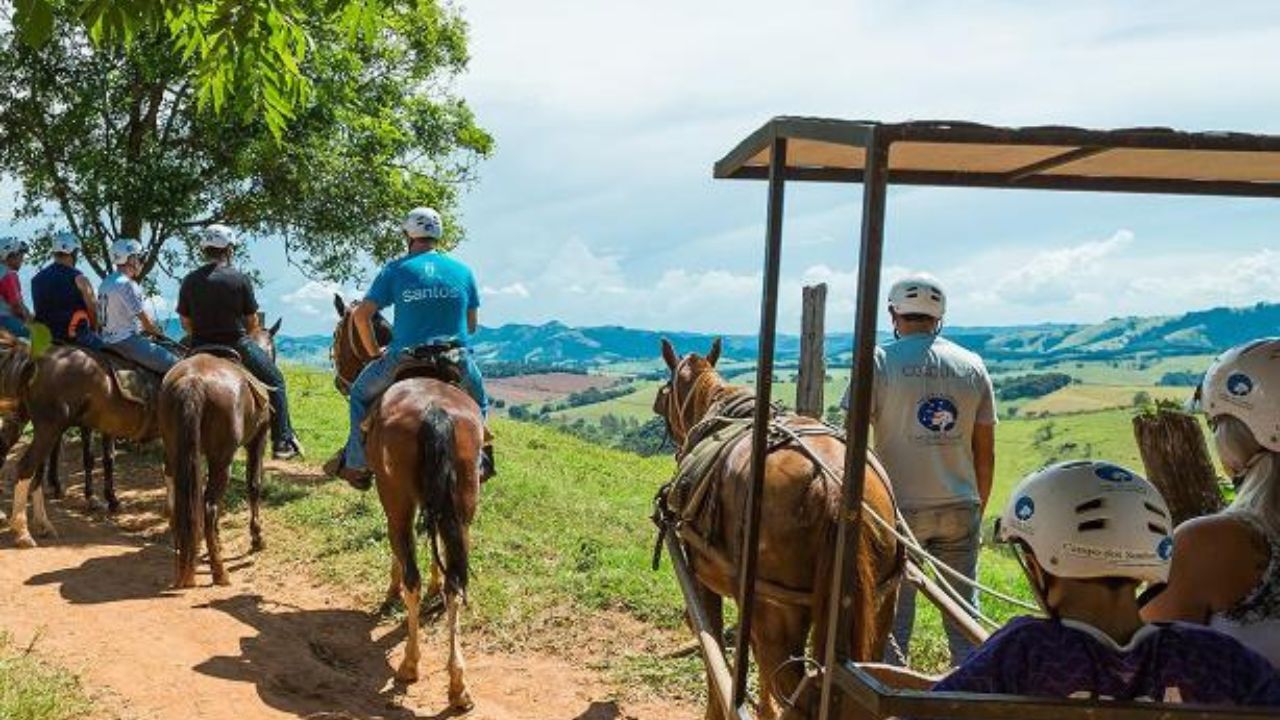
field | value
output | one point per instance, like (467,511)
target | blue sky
(598,206)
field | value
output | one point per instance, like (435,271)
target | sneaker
(488,468)
(358,479)
(286,449)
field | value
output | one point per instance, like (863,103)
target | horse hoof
(461,701)
(257,545)
(94,504)
(47,531)
(25,541)
(113,506)
(407,673)
(222,580)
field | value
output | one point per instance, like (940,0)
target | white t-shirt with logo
(929,394)
(120,300)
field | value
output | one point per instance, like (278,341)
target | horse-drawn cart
(1144,160)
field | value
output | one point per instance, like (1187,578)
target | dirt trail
(272,645)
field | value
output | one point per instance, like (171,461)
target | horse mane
(16,367)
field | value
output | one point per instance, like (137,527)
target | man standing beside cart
(933,414)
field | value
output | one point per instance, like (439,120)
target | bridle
(677,427)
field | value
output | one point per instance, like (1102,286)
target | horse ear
(340,305)
(276,328)
(714,355)
(669,354)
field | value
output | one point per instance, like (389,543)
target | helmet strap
(1036,578)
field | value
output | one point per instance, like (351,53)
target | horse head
(347,352)
(685,397)
(265,338)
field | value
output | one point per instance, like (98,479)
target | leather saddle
(438,360)
(134,382)
(226,352)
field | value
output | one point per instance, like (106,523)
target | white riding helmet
(65,243)
(1091,519)
(1244,382)
(423,222)
(219,237)
(918,294)
(123,249)
(11,246)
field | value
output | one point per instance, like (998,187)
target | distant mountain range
(554,343)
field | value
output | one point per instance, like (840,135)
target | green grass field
(31,689)
(636,404)
(565,529)
(1089,398)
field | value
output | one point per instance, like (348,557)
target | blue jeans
(144,352)
(374,380)
(14,326)
(950,534)
(259,364)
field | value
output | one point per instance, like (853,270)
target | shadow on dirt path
(274,644)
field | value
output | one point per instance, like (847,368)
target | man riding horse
(436,301)
(218,307)
(124,317)
(64,297)
(14,315)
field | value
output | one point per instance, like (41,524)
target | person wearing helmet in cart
(1088,534)
(933,412)
(217,306)
(124,316)
(64,298)
(13,312)
(1226,567)
(435,300)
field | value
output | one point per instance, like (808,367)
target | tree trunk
(813,361)
(1177,460)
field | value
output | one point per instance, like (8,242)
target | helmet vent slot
(1155,510)
(1089,505)
(1098,524)
(1157,529)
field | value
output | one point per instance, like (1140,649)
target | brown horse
(210,407)
(423,444)
(65,387)
(801,506)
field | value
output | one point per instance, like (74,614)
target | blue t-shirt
(1173,663)
(431,294)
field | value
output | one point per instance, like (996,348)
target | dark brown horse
(209,408)
(801,506)
(65,387)
(423,444)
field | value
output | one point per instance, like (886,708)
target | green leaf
(34,20)
(41,338)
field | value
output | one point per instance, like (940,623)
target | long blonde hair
(1257,473)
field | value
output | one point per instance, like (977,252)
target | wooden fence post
(813,360)
(1177,460)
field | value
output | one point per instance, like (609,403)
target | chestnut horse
(797,534)
(62,388)
(210,407)
(423,444)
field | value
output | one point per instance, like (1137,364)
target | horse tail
(187,395)
(869,590)
(440,511)
(823,573)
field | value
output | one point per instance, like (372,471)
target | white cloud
(1056,276)
(315,298)
(516,289)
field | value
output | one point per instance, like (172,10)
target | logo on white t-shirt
(938,414)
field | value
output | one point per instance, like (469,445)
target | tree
(116,138)
(247,53)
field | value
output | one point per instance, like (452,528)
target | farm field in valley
(544,387)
